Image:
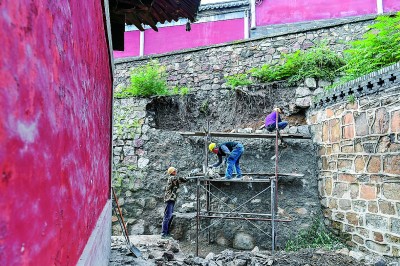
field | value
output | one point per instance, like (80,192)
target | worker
(170,196)
(233,151)
(270,120)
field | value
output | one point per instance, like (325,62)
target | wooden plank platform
(243,135)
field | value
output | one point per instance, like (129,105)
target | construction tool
(135,251)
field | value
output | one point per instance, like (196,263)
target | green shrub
(379,47)
(317,236)
(318,62)
(238,80)
(180,91)
(146,80)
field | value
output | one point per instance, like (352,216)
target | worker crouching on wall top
(233,151)
(270,120)
(170,196)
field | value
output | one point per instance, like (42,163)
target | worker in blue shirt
(233,151)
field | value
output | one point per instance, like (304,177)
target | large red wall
(174,38)
(288,11)
(55,104)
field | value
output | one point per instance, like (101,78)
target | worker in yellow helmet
(233,151)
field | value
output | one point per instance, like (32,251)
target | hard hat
(171,170)
(278,109)
(211,146)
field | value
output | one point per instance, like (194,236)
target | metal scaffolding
(206,184)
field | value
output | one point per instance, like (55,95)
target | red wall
(55,104)
(131,43)
(286,11)
(174,38)
(391,5)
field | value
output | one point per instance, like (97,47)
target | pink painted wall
(132,45)
(287,11)
(55,104)
(391,5)
(174,38)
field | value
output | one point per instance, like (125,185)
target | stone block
(347,178)
(368,192)
(376,221)
(374,164)
(348,119)
(395,121)
(310,82)
(348,132)
(345,204)
(352,218)
(325,131)
(334,126)
(395,225)
(381,121)
(386,207)
(339,189)
(339,216)
(302,92)
(359,164)
(344,164)
(379,248)
(361,125)
(395,252)
(354,191)
(391,191)
(358,239)
(392,239)
(328,186)
(378,237)
(329,113)
(363,232)
(347,149)
(391,164)
(360,206)
(373,206)
(332,203)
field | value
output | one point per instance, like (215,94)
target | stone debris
(168,252)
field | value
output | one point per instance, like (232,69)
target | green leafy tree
(238,80)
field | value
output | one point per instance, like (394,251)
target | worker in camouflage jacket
(170,196)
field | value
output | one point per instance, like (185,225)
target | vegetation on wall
(318,62)
(317,236)
(149,80)
(379,47)
(238,80)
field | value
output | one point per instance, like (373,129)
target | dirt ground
(157,251)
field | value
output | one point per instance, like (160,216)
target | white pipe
(253,13)
(379,4)
(141,45)
(246,24)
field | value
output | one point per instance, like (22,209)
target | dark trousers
(169,210)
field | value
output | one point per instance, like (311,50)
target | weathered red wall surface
(391,5)
(287,11)
(174,38)
(55,98)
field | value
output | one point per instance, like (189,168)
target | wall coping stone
(365,85)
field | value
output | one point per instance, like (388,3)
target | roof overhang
(147,12)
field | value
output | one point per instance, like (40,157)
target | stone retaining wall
(205,68)
(359,160)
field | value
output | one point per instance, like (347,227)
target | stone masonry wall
(205,68)
(147,141)
(359,160)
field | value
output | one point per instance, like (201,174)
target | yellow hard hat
(171,170)
(278,110)
(211,146)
